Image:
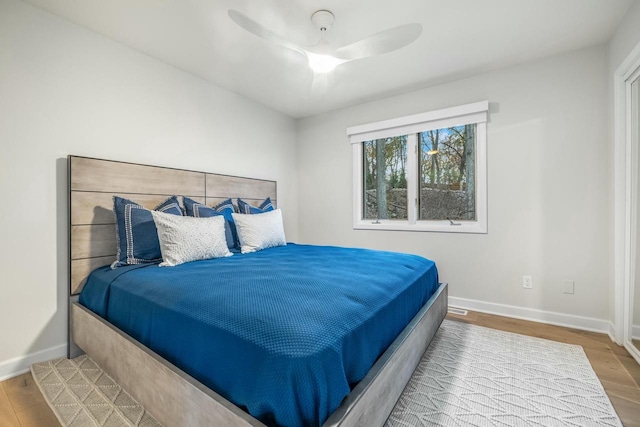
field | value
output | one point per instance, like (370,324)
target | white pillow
(184,238)
(259,231)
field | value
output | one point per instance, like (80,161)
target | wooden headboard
(94,182)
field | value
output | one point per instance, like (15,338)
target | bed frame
(172,396)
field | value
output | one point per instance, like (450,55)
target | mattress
(284,333)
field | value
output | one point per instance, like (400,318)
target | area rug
(475,376)
(82,395)
(469,376)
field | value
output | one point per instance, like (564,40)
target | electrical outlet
(568,287)
(527,282)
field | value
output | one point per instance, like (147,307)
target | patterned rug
(475,376)
(82,395)
(469,376)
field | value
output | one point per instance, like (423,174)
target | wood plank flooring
(22,405)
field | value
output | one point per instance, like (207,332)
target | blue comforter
(284,333)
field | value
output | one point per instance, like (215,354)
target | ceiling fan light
(323,63)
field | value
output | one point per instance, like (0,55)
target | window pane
(385,182)
(447,173)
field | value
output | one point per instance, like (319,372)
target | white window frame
(468,114)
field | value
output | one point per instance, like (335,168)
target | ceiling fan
(322,57)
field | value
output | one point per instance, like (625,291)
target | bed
(144,363)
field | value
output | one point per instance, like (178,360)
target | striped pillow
(246,208)
(136,233)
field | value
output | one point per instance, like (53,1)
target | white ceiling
(460,38)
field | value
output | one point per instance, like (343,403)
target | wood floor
(21,403)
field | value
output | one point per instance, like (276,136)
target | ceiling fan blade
(319,84)
(257,29)
(379,43)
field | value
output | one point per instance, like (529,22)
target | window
(447,174)
(425,172)
(385,180)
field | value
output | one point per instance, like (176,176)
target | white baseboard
(534,315)
(612,333)
(635,332)
(19,365)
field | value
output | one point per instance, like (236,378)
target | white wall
(65,90)
(549,182)
(626,37)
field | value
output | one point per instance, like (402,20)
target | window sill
(422,226)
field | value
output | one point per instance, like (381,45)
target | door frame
(625,200)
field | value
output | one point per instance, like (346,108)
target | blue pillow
(246,208)
(136,233)
(198,210)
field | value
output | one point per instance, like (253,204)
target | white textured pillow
(184,238)
(260,231)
